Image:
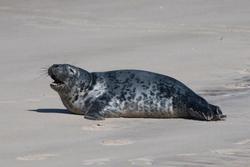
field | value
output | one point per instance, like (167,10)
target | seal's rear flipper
(217,113)
(207,112)
(219,118)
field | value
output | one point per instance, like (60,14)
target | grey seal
(128,93)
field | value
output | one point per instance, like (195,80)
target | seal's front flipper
(93,116)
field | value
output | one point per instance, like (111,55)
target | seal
(128,93)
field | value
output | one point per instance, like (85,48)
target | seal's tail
(217,113)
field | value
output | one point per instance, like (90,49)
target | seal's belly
(150,108)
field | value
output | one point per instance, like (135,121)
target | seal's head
(68,79)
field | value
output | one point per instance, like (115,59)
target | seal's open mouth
(56,82)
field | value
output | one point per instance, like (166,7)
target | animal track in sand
(36,157)
(141,161)
(116,142)
(96,162)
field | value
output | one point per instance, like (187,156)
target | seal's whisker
(42,76)
(44,71)
(45,68)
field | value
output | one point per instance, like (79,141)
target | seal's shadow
(51,110)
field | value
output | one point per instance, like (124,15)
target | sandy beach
(205,44)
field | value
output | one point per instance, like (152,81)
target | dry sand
(204,43)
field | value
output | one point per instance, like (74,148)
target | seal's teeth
(57,81)
(53,84)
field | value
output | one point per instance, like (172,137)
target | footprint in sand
(35,157)
(96,162)
(142,161)
(116,142)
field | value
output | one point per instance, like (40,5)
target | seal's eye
(72,71)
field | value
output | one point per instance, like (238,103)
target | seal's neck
(91,83)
